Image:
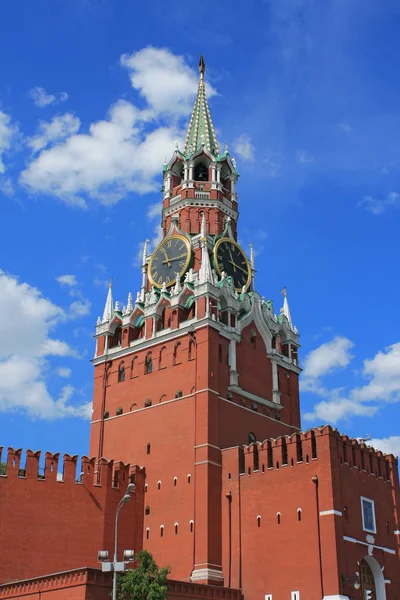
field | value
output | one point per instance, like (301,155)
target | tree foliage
(145,582)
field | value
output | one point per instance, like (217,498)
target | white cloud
(378,207)
(382,373)
(79,308)
(114,158)
(166,82)
(154,211)
(26,347)
(8,134)
(6,187)
(41,98)
(273,169)
(389,445)
(303,157)
(327,357)
(64,372)
(68,280)
(337,409)
(51,132)
(243,146)
(124,152)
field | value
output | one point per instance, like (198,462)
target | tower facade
(198,363)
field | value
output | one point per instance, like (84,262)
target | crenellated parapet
(70,471)
(314,444)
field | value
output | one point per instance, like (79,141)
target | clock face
(171,256)
(229,257)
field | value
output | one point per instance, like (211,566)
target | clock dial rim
(182,271)
(216,263)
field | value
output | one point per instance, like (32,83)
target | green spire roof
(201,128)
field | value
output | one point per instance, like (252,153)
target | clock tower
(197,363)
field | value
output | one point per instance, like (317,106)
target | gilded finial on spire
(202,66)
(284,292)
(110,282)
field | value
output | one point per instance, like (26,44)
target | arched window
(148,448)
(121,373)
(159,485)
(148,364)
(134,367)
(146,485)
(251,438)
(147,402)
(178,394)
(161,359)
(147,533)
(278,518)
(175,481)
(176,528)
(177,352)
(201,172)
(191,523)
(258,521)
(119,411)
(191,350)
(188,478)
(299,514)
(147,510)
(161,530)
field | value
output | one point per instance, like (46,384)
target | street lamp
(102,556)
(351,579)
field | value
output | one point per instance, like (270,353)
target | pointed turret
(144,274)
(205,273)
(201,129)
(109,306)
(285,309)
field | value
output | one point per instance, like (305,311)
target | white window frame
(364,499)
(268,597)
(295,595)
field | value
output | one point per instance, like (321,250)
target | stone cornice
(166,335)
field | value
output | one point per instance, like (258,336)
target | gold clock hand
(241,268)
(231,261)
(175,258)
(166,256)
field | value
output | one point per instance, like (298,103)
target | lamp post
(102,556)
(354,579)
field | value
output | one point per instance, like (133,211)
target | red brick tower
(198,364)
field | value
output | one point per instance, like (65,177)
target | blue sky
(93,95)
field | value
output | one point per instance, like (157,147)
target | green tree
(145,582)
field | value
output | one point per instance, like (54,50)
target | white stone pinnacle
(285,309)
(205,273)
(108,308)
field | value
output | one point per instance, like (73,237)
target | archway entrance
(367,581)
(371,579)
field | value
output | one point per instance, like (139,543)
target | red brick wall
(49,526)
(279,558)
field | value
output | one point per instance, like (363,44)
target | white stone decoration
(108,308)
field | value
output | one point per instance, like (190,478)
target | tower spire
(109,306)
(285,309)
(201,129)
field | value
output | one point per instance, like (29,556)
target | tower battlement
(106,473)
(304,447)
